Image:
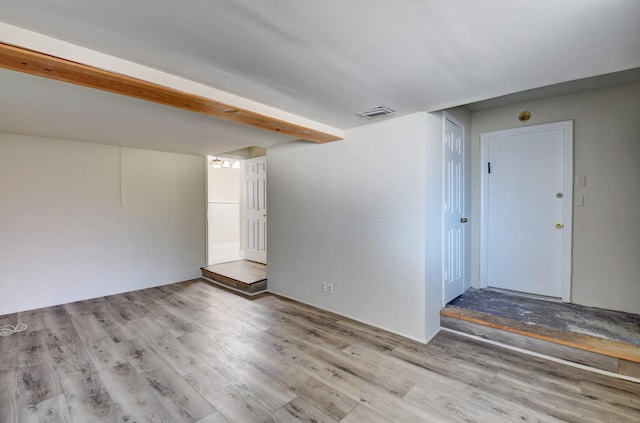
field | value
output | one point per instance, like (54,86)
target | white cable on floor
(8,330)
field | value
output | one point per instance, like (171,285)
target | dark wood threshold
(614,356)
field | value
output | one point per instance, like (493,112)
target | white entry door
(255,209)
(454,219)
(527,204)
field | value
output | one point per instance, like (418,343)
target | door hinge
(489,167)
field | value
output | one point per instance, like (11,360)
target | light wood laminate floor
(193,352)
(245,271)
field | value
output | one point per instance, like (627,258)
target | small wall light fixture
(524,116)
(216,163)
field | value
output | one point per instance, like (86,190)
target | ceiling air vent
(377,112)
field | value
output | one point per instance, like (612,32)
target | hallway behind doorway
(223,213)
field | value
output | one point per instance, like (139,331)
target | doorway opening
(236,221)
(235,230)
(224,178)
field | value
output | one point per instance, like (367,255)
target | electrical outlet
(330,288)
(324,286)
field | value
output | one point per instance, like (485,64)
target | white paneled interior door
(527,203)
(454,219)
(255,209)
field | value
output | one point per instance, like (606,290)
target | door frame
(485,137)
(465,232)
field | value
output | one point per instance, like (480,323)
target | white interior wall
(224,184)
(83,220)
(607,151)
(434,229)
(352,213)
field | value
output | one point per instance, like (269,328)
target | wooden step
(614,356)
(244,276)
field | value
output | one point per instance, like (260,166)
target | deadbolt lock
(463,220)
(559,225)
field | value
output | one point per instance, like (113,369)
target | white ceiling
(323,60)
(44,107)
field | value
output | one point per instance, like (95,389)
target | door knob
(264,215)
(559,225)
(463,220)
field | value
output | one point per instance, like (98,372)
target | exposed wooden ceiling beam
(40,64)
